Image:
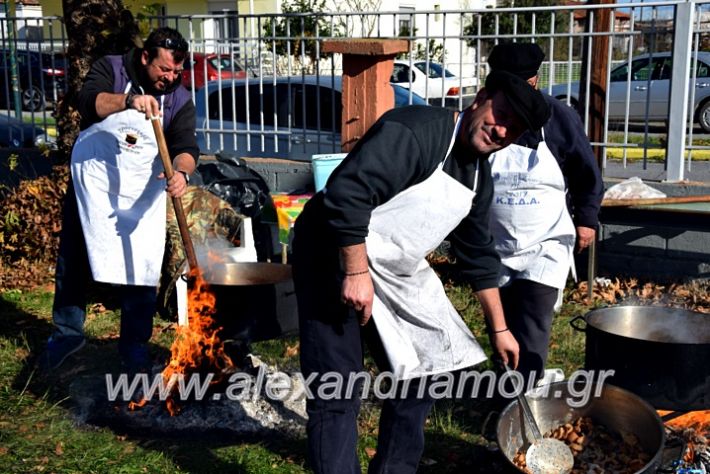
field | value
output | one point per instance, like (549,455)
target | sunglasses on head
(174,44)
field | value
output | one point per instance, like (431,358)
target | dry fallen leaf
(59,449)
(370,452)
(3,451)
(22,353)
(97,308)
(292,351)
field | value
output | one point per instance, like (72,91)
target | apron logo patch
(131,139)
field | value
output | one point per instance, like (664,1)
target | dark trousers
(332,342)
(72,277)
(528,308)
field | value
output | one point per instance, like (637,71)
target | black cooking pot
(254,301)
(661,354)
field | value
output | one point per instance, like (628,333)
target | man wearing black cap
(530,217)
(418,175)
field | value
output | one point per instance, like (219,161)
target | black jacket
(403,148)
(180,134)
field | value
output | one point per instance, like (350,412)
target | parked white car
(649,88)
(434,83)
(291,117)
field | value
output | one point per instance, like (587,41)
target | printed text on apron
(533,230)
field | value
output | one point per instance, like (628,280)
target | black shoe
(58,350)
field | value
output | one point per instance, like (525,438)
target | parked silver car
(650,84)
(290,117)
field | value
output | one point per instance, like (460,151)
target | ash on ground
(251,415)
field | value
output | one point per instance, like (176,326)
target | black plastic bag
(230,179)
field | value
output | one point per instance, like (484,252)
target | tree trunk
(94,28)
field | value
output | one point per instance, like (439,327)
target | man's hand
(146,104)
(506,348)
(358,293)
(504,344)
(177,184)
(585,237)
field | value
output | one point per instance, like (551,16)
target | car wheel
(33,99)
(704,117)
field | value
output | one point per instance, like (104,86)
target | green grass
(38,432)
(651,140)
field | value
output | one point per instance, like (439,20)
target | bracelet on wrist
(129,99)
(350,274)
(187,176)
(500,331)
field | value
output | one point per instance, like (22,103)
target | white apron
(533,230)
(121,202)
(421,331)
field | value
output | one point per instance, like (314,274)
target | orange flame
(197,347)
(698,421)
(136,405)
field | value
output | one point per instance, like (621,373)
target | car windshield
(435,70)
(224,62)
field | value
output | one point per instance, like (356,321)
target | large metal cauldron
(254,301)
(661,354)
(616,408)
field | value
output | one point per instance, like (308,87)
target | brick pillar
(367,94)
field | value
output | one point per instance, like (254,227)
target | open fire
(691,431)
(197,347)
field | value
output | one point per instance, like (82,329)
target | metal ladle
(544,455)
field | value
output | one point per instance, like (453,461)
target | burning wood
(197,347)
(691,431)
(697,421)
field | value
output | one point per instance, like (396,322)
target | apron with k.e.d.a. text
(530,222)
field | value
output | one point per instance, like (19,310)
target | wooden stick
(591,268)
(644,202)
(177,202)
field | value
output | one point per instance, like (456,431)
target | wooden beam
(594,68)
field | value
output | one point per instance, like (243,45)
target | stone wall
(652,243)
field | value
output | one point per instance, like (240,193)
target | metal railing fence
(270,109)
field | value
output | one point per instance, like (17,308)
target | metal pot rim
(563,385)
(695,332)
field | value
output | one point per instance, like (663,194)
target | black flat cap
(521,59)
(526,101)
